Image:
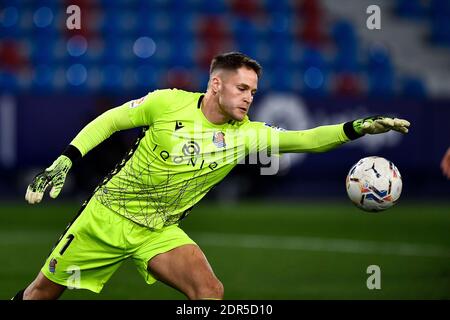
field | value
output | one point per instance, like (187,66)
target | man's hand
(380,124)
(54,176)
(445,164)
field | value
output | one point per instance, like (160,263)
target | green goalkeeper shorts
(99,240)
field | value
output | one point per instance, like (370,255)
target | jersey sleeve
(144,111)
(132,114)
(276,141)
(319,139)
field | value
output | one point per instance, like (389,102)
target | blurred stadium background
(289,236)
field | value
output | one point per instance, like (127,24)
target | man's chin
(239,116)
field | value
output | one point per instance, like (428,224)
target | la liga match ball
(374,184)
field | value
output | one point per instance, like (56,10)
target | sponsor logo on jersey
(191,148)
(219,139)
(52,265)
(191,151)
(135,103)
(178,125)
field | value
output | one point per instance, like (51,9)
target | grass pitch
(265,250)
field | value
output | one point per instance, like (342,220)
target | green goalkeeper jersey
(180,155)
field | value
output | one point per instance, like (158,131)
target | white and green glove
(53,176)
(380,124)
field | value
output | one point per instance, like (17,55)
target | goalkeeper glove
(53,176)
(380,124)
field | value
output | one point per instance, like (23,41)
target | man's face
(235,91)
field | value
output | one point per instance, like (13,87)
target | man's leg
(186,269)
(85,257)
(42,289)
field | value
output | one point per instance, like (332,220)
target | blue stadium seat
(172,24)
(111,50)
(280,78)
(244,31)
(346,60)
(43,77)
(110,25)
(145,20)
(344,35)
(216,7)
(142,6)
(280,25)
(179,7)
(8,3)
(128,22)
(312,58)
(111,77)
(10,22)
(380,72)
(280,51)
(181,30)
(42,50)
(346,42)
(148,75)
(182,53)
(107,5)
(276,6)
(247,48)
(314,72)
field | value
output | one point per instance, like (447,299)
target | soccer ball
(374,184)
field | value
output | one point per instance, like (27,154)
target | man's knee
(212,289)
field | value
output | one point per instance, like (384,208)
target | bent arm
(102,127)
(132,114)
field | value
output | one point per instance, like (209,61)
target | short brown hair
(234,61)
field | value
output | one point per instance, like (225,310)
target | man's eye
(241,89)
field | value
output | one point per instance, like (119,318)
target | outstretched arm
(325,138)
(319,139)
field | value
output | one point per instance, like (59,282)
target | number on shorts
(69,240)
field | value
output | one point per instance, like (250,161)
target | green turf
(271,271)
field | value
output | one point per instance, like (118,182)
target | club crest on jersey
(219,139)
(52,265)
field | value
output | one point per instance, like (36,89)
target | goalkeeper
(189,143)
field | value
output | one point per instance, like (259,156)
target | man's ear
(215,84)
